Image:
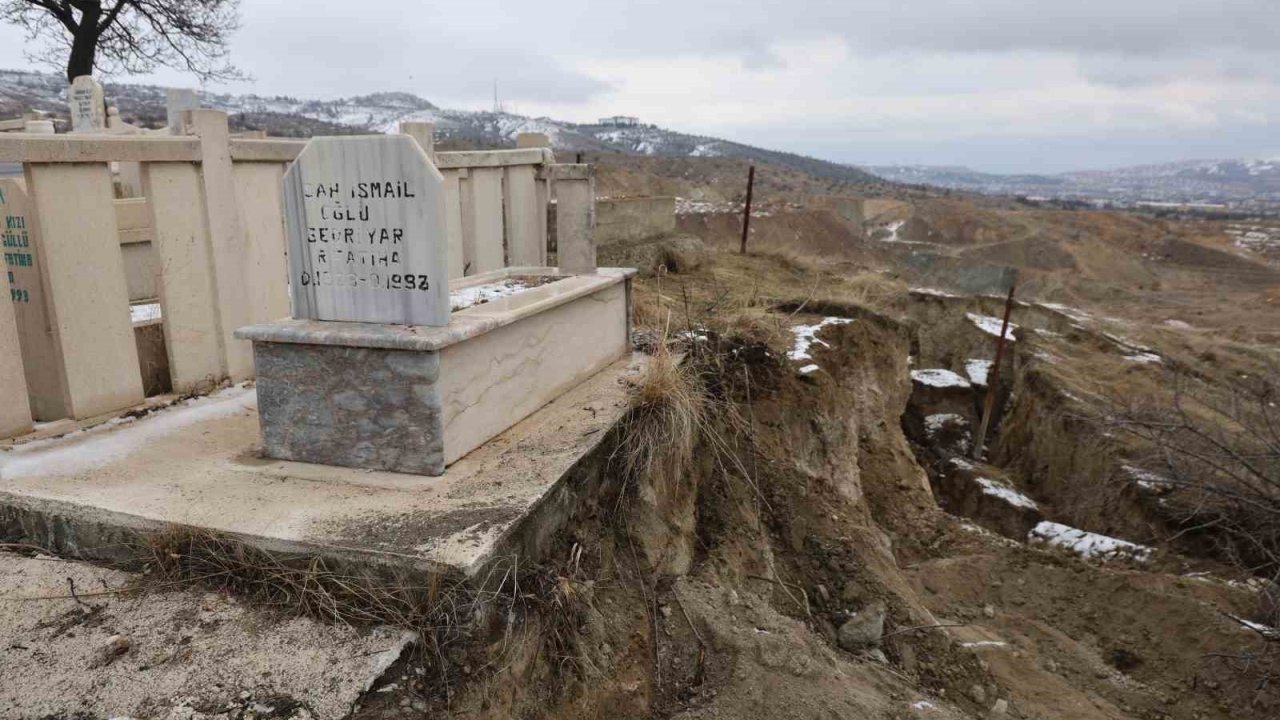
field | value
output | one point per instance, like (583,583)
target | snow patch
(933,292)
(1144,358)
(697,335)
(1074,313)
(463,298)
(1087,544)
(1266,631)
(938,377)
(997,489)
(1146,479)
(977,369)
(807,337)
(991,325)
(144,313)
(936,422)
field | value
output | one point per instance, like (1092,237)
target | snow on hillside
(21,91)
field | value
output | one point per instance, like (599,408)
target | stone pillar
(226,236)
(424,133)
(575,218)
(88,110)
(526,237)
(114,121)
(185,285)
(72,208)
(484,185)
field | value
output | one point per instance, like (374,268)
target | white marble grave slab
(365,224)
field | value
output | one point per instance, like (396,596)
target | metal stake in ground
(746,212)
(993,377)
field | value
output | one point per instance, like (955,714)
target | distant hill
(1240,184)
(383,112)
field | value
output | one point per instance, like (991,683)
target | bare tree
(129,36)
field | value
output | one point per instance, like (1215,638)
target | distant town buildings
(620,121)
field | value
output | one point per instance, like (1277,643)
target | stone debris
(864,629)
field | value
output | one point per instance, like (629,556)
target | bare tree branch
(129,36)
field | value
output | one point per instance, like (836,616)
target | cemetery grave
(411,380)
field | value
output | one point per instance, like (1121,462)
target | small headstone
(175,101)
(88,113)
(365,226)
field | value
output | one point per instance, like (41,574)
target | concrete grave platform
(413,398)
(199,463)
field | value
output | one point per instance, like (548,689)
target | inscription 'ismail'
(378,189)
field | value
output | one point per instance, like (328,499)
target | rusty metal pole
(993,376)
(746,213)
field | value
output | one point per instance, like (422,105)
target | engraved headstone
(175,101)
(88,112)
(365,225)
(21,267)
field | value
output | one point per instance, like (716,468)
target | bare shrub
(1215,457)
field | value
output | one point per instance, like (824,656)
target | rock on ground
(863,629)
(181,654)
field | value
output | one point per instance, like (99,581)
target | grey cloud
(328,57)
(1131,71)
(1084,27)
(457,49)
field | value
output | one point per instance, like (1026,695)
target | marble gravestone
(177,100)
(373,371)
(88,110)
(365,222)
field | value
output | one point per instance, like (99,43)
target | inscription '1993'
(373,281)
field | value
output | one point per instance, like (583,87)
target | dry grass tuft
(312,586)
(668,415)
(872,290)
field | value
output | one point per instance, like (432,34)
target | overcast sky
(998,85)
